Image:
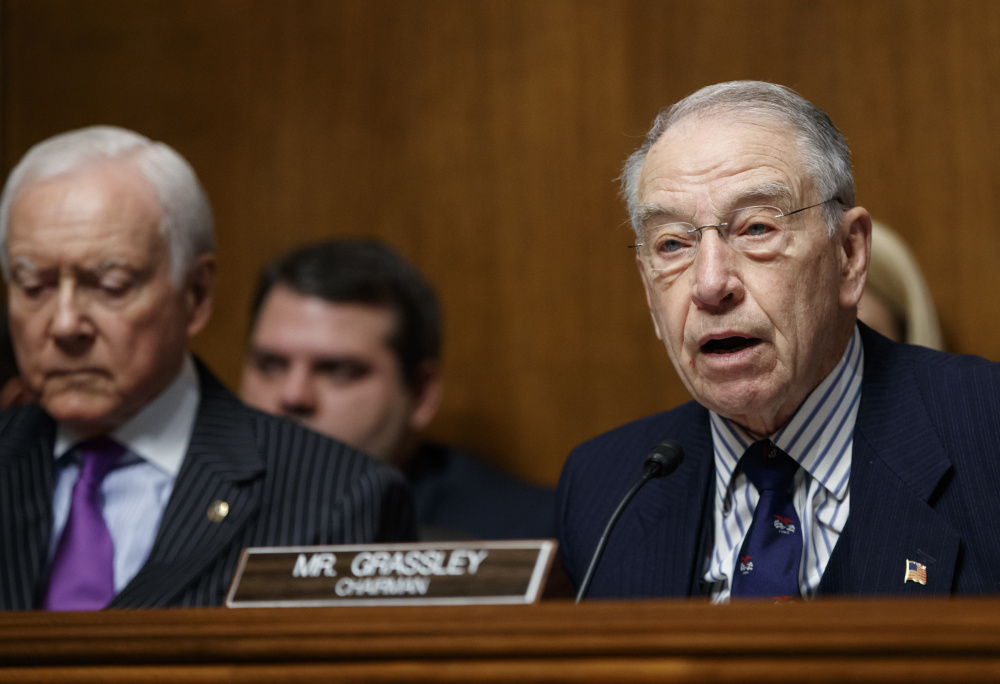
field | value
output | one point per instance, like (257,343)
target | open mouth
(728,345)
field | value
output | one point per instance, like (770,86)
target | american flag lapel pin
(916,572)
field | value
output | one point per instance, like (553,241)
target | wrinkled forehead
(115,186)
(706,165)
(90,216)
(774,194)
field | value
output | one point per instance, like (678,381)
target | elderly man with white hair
(820,458)
(137,478)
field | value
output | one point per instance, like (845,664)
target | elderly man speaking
(137,479)
(820,458)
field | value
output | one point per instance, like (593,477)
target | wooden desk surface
(678,641)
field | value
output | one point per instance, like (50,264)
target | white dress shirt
(136,491)
(820,437)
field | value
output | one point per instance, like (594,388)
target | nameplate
(420,574)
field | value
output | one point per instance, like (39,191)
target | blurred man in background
(345,337)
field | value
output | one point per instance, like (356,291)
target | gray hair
(825,155)
(186,215)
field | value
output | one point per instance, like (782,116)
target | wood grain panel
(483,139)
(656,641)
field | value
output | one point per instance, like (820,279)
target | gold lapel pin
(915,572)
(218,511)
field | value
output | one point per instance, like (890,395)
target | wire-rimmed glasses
(667,249)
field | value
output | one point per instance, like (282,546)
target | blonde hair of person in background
(897,301)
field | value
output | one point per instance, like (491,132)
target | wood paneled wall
(483,139)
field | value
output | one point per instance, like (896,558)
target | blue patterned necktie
(768,564)
(82,576)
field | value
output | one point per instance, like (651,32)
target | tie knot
(98,456)
(768,467)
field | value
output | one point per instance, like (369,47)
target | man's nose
(71,326)
(298,392)
(716,278)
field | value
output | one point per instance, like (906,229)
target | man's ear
(200,293)
(854,250)
(649,302)
(426,395)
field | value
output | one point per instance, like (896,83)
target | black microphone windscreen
(664,458)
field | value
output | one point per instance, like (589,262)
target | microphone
(662,461)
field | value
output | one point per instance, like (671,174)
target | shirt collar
(819,434)
(160,432)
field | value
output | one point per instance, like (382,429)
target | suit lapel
(26,483)
(897,464)
(672,513)
(222,464)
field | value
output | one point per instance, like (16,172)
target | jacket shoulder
(633,441)
(345,495)
(599,471)
(368,500)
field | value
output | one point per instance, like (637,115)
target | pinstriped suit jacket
(285,485)
(925,486)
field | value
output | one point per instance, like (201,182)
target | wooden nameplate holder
(426,573)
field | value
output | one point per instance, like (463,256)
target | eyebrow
(24,263)
(111,264)
(770,193)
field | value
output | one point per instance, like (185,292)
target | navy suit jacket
(458,497)
(925,486)
(285,485)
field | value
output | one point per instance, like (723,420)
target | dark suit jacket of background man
(285,485)
(925,486)
(459,497)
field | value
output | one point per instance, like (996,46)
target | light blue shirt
(136,491)
(820,437)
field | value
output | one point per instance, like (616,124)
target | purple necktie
(82,576)
(768,564)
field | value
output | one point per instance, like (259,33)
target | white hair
(825,156)
(186,215)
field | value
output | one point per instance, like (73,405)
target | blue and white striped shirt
(820,437)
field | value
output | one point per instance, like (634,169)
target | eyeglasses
(755,232)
